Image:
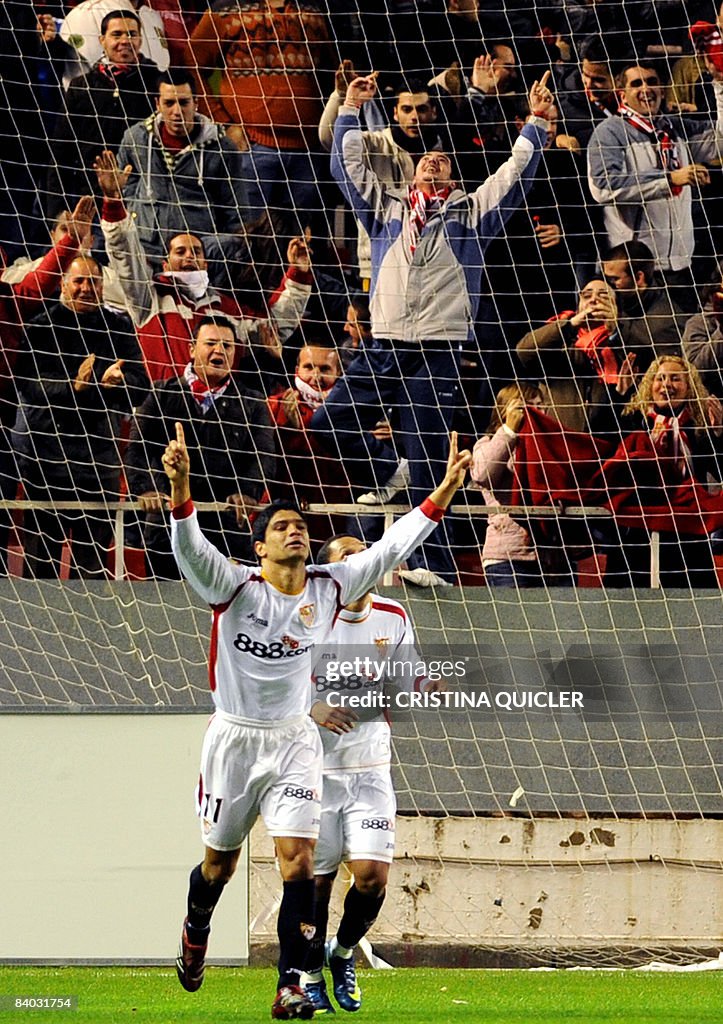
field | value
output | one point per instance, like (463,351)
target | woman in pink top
(509,555)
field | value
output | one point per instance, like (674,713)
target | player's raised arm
(209,572)
(177,466)
(360,572)
(457,465)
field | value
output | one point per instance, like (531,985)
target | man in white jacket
(393,151)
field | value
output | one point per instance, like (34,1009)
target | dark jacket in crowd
(99,109)
(62,434)
(231,447)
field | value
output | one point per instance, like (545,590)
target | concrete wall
(101,832)
(510,891)
(100,826)
(99,836)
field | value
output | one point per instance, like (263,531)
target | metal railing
(119,508)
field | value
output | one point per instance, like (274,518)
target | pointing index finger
(179,434)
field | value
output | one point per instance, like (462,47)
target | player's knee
(373,881)
(217,875)
(296,859)
(219,868)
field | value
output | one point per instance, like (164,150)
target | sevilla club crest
(307,614)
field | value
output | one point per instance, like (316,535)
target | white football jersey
(380,635)
(261,639)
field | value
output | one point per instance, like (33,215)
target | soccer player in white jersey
(358,807)
(262,752)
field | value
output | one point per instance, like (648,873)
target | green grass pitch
(112,995)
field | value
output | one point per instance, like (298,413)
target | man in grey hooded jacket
(646,169)
(185,175)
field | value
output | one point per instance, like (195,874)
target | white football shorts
(357,819)
(247,771)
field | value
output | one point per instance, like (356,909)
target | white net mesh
(590,257)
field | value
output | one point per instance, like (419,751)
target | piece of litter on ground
(517,795)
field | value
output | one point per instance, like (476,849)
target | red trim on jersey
(384,607)
(431,511)
(418,684)
(199,792)
(218,610)
(213,650)
(182,511)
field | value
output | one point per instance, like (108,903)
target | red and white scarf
(595,343)
(422,207)
(670,440)
(312,396)
(113,70)
(660,135)
(204,395)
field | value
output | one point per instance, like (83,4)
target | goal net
(319,314)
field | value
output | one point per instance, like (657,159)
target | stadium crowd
(322,236)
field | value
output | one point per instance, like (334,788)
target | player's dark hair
(262,520)
(125,15)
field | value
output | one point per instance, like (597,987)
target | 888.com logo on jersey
(287,647)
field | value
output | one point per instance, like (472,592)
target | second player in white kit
(374,636)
